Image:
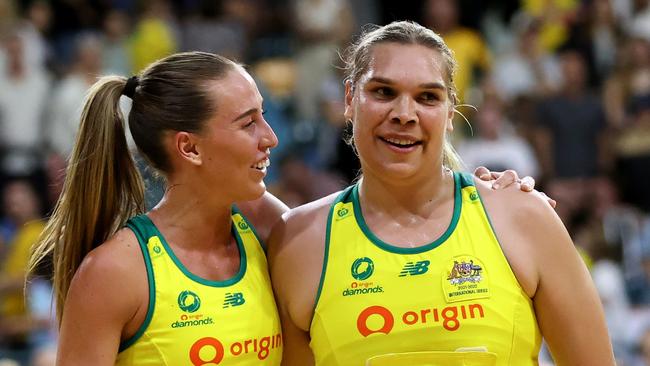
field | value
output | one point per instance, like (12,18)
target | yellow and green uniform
(455,294)
(194,321)
(14,267)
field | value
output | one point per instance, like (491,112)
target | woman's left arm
(552,273)
(567,306)
(263,213)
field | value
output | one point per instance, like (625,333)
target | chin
(397,171)
(256,191)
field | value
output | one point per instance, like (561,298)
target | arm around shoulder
(99,304)
(263,213)
(547,264)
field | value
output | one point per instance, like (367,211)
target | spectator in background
(570,127)
(218,27)
(22,207)
(335,149)
(115,53)
(470,50)
(644,349)
(32,29)
(528,69)
(497,146)
(23,93)
(321,26)
(70,18)
(631,77)
(605,34)
(155,35)
(555,17)
(632,154)
(300,183)
(65,104)
(639,24)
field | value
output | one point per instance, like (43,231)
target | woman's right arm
(296,253)
(104,296)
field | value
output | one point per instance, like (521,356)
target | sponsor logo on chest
(361,271)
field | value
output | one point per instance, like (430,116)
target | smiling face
(236,141)
(401,110)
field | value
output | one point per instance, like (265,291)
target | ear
(186,146)
(450,118)
(349,95)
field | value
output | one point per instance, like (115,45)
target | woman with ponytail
(185,283)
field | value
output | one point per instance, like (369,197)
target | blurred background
(561,90)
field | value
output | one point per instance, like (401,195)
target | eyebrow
(245,114)
(432,85)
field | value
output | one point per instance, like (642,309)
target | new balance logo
(235,299)
(415,268)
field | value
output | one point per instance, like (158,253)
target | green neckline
(231,281)
(421,249)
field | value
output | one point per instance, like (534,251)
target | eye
(249,124)
(429,97)
(384,92)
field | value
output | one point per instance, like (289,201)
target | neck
(419,198)
(190,219)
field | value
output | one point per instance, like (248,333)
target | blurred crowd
(555,89)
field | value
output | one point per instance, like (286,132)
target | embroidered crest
(465,278)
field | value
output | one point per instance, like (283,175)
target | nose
(404,110)
(269,139)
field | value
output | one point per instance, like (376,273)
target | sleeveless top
(194,321)
(455,301)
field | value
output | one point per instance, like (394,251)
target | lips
(262,164)
(401,142)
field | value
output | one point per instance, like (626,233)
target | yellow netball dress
(452,302)
(194,321)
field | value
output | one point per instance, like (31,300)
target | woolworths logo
(473,196)
(188,301)
(243,225)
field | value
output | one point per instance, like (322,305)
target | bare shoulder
(115,256)
(528,229)
(100,278)
(513,200)
(296,254)
(307,221)
(263,213)
(106,302)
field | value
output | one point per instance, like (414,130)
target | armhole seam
(152,290)
(328,230)
(235,211)
(500,247)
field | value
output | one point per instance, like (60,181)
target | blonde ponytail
(102,189)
